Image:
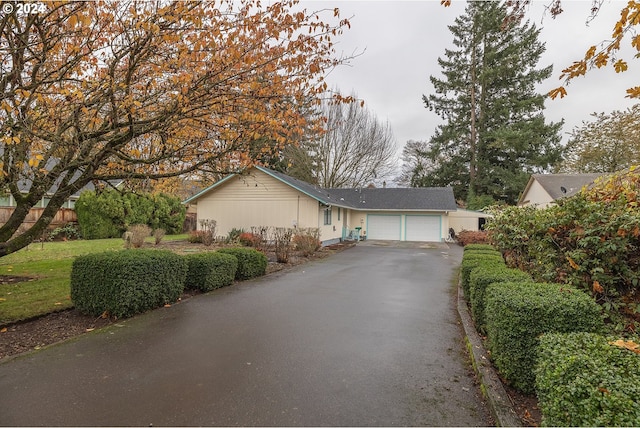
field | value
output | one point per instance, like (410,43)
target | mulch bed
(525,406)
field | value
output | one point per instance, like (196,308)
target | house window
(338,213)
(327,216)
(5,201)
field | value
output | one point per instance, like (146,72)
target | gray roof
(25,187)
(418,198)
(564,185)
(25,184)
(396,199)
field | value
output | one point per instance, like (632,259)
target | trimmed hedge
(471,260)
(251,263)
(516,314)
(583,380)
(480,247)
(480,278)
(207,271)
(128,282)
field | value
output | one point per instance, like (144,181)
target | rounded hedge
(582,379)
(128,282)
(471,260)
(210,270)
(251,263)
(480,278)
(517,314)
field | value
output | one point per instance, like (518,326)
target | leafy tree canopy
(609,143)
(148,90)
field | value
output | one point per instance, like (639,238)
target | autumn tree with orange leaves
(100,91)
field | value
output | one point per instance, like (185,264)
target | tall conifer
(494,134)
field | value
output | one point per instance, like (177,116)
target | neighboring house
(262,197)
(467,220)
(543,189)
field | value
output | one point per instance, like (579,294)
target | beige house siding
(332,231)
(270,199)
(536,195)
(265,201)
(465,220)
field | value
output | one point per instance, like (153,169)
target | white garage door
(383,227)
(423,228)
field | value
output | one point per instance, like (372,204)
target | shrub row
(583,379)
(124,283)
(480,278)
(474,258)
(590,240)
(128,282)
(517,313)
(514,311)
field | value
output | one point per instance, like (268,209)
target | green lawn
(48,265)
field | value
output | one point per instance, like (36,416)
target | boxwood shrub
(479,280)
(210,270)
(470,261)
(125,283)
(583,380)
(251,262)
(516,314)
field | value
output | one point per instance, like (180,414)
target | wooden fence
(62,217)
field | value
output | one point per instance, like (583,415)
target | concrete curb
(491,386)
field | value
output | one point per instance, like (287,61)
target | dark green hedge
(479,280)
(516,314)
(251,262)
(210,270)
(109,213)
(471,260)
(125,283)
(582,380)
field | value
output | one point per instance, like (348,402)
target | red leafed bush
(248,239)
(466,237)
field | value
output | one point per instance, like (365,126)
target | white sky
(402,41)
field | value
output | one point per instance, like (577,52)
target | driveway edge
(491,386)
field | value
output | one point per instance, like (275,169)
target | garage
(423,228)
(383,227)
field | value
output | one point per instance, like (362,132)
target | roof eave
(526,189)
(321,200)
(439,210)
(207,189)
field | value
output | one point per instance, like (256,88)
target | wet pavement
(367,337)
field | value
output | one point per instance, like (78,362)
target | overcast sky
(402,41)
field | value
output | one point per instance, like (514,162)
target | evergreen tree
(494,133)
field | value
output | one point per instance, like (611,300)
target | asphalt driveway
(368,337)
